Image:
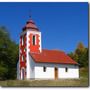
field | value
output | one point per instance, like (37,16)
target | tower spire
(30,24)
(30,14)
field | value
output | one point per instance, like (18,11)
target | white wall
(40,74)
(73,71)
(32,68)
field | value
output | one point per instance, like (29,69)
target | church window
(66,69)
(44,69)
(33,39)
(24,49)
(22,58)
(22,40)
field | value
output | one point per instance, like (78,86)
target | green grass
(83,81)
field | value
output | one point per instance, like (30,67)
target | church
(43,64)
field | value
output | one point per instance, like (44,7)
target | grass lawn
(83,81)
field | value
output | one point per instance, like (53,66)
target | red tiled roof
(52,56)
(30,25)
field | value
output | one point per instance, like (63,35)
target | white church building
(37,63)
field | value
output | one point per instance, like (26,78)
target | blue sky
(63,25)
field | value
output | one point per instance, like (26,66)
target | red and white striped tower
(30,42)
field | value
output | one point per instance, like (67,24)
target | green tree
(8,55)
(74,56)
(80,55)
(80,46)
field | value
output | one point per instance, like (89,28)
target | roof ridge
(54,50)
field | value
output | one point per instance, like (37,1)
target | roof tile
(52,56)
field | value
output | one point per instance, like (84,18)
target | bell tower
(30,42)
(33,36)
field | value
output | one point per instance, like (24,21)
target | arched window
(22,40)
(23,73)
(22,58)
(33,39)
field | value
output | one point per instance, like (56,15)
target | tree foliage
(8,55)
(80,55)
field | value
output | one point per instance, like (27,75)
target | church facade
(37,63)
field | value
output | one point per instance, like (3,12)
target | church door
(56,73)
(23,74)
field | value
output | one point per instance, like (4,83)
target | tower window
(22,58)
(24,49)
(44,69)
(22,40)
(66,69)
(33,39)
